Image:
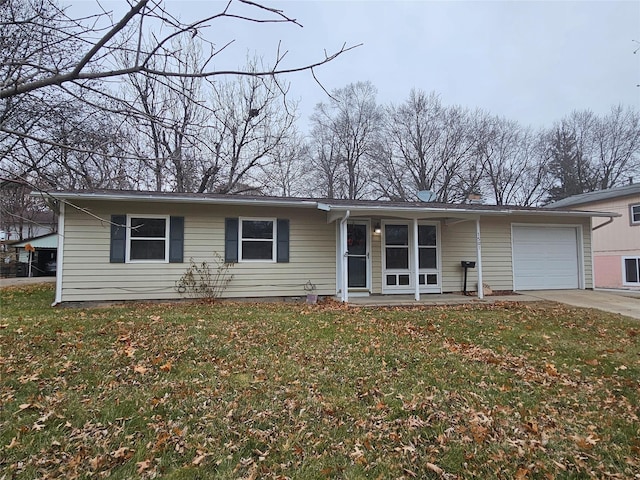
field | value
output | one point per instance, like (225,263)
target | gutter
(59,256)
(176,198)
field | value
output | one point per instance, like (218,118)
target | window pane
(148,227)
(357,239)
(403,279)
(257,250)
(427,257)
(257,229)
(396,234)
(631,270)
(357,272)
(147,250)
(397,257)
(427,235)
(635,214)
(421,279)
(391,280)
(432,279)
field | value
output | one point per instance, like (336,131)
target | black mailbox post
(466,265)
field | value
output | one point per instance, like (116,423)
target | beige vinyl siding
(88,274)
(376,262)
(459,243)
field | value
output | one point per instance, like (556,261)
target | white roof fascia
(337,212)
(334,211)
(177,198)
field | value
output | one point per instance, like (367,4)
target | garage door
(545,258)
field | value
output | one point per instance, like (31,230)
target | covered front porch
(399,254)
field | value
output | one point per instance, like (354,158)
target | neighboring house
(37,256)
(38,224)
(616,243)
(126,245)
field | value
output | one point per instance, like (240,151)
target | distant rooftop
(592,197)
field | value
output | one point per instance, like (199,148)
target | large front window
(257,240)
(148,238)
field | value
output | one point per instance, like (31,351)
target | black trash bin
(22,270)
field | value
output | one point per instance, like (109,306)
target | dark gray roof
(597,196)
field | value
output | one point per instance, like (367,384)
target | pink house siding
(608,271)
(613,242)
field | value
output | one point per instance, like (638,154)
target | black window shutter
(118,238)
(283,241)
(176,239)
(230,240)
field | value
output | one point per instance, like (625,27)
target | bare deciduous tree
(514,165)
(431,147)
(351,123)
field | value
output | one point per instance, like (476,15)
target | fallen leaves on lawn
(265,391)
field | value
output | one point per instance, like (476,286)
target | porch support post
(344,280)
(416,260)
(479,259)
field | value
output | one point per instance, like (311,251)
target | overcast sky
(531,61)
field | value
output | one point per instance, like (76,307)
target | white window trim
(273,240)
(407,289)
(166,218)
(631,207)
(624,272)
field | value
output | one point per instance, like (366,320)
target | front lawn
(231,390)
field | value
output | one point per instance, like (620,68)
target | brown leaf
(14,443)
(143,466)
(522,474)
(593,362)
(434,468)
(166,367)
(141,369)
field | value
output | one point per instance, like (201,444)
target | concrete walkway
(624,302)
(10,282)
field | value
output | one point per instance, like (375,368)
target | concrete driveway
(614,301)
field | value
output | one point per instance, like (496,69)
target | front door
(358,256)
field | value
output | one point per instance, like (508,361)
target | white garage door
(545,258)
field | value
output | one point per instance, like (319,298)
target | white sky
(531,61)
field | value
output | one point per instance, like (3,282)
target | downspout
(602,224)
(479,260)
(344,297)
(416,261)
(59,255)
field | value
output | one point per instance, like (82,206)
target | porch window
(257,239)
(148,239)
(396,254)
(631,270)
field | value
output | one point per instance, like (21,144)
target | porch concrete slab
(434,299)
(624,302)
